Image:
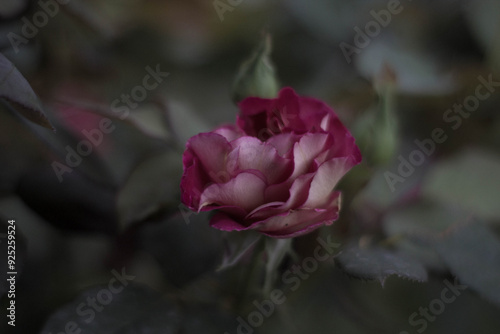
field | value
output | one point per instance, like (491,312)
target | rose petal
(211,149)
(253,115)
(299,222)
(312,112)
(192,183)
(245,191)
(286,112)
(229,131)
(297,194)
(306,150)
(254,154)
(284,143)
(325,179)
(264,118)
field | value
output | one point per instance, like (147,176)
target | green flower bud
(377,130)
(256,76)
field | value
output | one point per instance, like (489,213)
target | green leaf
(134,309)
(15,89)
(423,217)
(77,204)
(412,227)
(376,263)
(150,188)
(472,253)
(469,180)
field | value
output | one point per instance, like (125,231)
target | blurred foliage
(115,204)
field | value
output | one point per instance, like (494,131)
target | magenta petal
(306,150)
(211,149)
(299,222)
(284,143)
(325,179)
(192,183)
(253,115)
(297,195)
(246,191)
(254,154)
(313,111)
(229,131)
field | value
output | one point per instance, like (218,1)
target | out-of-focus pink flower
(274,172)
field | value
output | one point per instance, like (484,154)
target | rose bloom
(275,171)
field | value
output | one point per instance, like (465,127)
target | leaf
(185,122)
(77,204)
(423,217)
(412,227)
(134,309)
(184,251)
(470,180)
(377,263)
(149,188)
(14,88)
(472,253)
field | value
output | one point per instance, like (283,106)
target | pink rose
(275,171)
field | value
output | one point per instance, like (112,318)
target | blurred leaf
(470,180)
(14,88)
(421,218)
(185,122)
(150,188)
(19,257)
(412,226)
(20,149)
(184,251)
(237,246)
(472,252)
(135,309)
(77,204)
(377,263)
